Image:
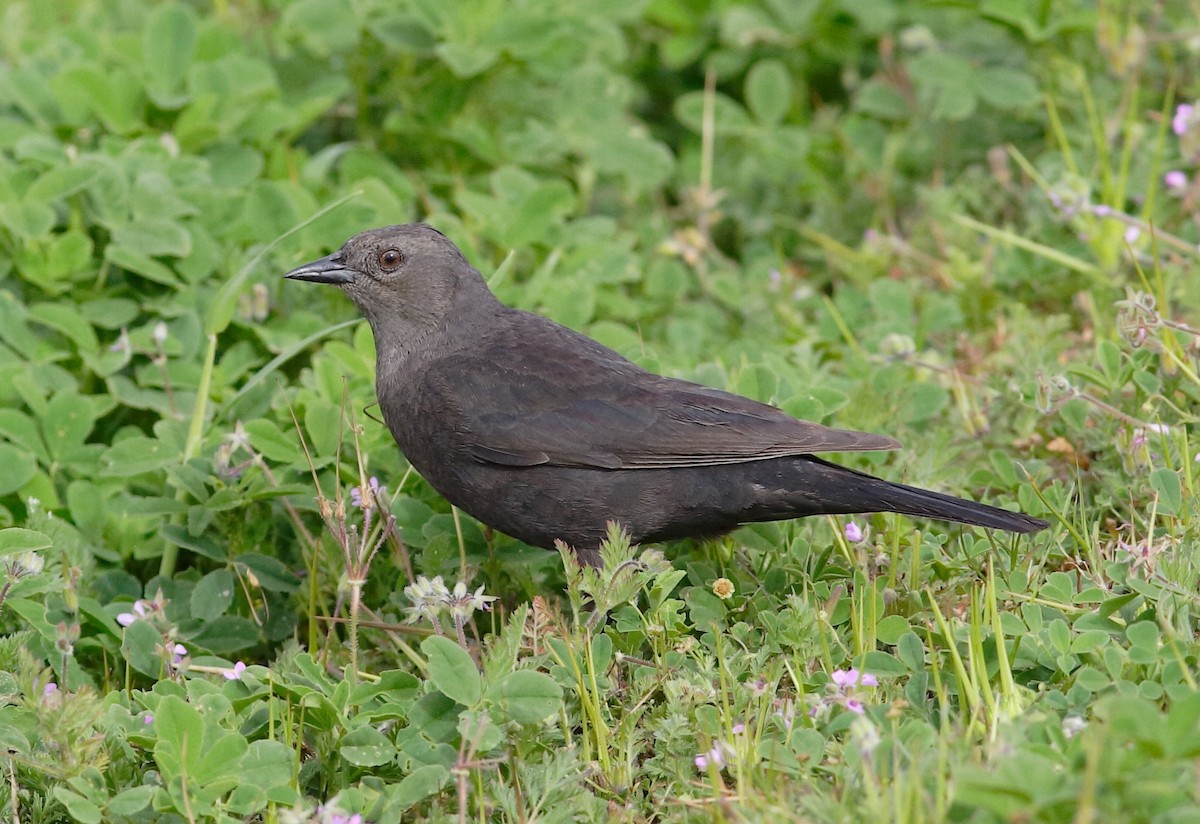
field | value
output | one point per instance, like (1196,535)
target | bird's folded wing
(621,417)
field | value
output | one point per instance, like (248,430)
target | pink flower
(715,757)
(178,651)
(332,815)
(787,715)
(235,673)
(847,683)
(1132,233)
(373,488)
(845,679)
(1175,180)
(1184,119)
(853,532)
(851,678)
(127,618)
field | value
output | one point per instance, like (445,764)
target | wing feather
(578,403)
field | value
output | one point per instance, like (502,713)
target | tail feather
(860,492)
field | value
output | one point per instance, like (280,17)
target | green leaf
(17,427)
(180,731)
(537,212)
(67,421)
(270,573)
(200,544)
(728,114)
(569,302)
(131,801)
(227,634)
(141,647)
(911,651)
(15,540)
(367,747)
(768,91)
(644,163)
(11,737)
(882,664)
(61,182)
(222,756)
(266,766)
(954,101)
(418,785)
(88,507)
(140,264)
(1088,641)
(17,468)
(233,164)
(527,696)
(1007,88)
(33,613)
(106,312)
(1092,679)
(80,808)
(881,99)
(325,26)
(452,670)
(154,507)
(891,629)
(664,584)
(212,595)
(153,237)
(921,401)
(136,456)
(113,93)
(466,59)
(1143,634)
(946,83)
(54,265)
(322,422)
(267,438)
(65,318)
(168,45)
(26,219)
(1165,481)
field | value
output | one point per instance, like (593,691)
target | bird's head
(406,277)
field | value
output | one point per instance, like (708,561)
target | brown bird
(545,434)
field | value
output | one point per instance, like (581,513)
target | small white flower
(28,563)
(865,736)
(1072,725)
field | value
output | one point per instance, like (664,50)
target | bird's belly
(541,504)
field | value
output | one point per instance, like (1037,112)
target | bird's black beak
(328,269)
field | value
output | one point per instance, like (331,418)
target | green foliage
(970,226)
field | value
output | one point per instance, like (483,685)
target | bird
(546,435)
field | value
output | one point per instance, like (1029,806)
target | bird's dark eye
(390,259)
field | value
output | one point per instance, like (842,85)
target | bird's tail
(859,492)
